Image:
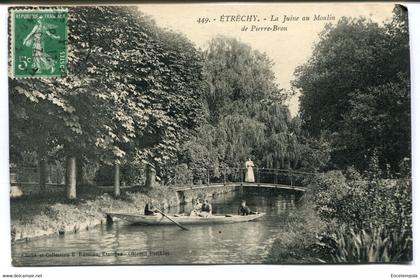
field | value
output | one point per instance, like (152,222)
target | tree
(355,90)
(237,77)
(131,93)
(247,115)
(348,56)
(378,123)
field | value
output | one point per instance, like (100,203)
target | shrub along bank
(350,218)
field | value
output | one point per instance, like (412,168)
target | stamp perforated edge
(11,13)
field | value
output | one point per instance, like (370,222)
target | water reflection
(129,244)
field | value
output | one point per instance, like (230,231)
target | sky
(288,49)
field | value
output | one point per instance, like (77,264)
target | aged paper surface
(210,134)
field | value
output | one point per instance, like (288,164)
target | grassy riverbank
(37,216)
(298,236)
(51,214)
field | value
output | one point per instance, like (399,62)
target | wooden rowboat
(159,219)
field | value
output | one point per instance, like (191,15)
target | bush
(374,245)
(349,198)
(358,204)
(182,175)
(130,174)
(297,241)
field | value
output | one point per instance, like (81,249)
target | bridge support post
(275,177)
(258,175)
(291,180)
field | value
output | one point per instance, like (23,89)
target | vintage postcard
(269,133)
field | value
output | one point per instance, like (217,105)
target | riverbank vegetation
(247,117)
(53,215)
(349,218)
(132,95)
(144,106)
(355,93)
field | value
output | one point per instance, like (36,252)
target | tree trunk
(117,180)
(150,176)
(79,172)
(43,173)
(276,174)
(71,178)
(258,174)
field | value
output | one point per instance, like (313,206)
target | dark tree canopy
(355,89)
(133,92)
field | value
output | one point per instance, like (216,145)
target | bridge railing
(233,175)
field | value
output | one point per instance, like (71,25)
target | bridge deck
(244,184)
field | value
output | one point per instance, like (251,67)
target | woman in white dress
(249,176)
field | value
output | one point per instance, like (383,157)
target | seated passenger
(244,209)
(197,208)
(206,209)
(149,209)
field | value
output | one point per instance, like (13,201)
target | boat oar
(173,221)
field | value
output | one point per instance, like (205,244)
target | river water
(123,244)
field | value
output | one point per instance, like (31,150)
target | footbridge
(282,179)
(243,184)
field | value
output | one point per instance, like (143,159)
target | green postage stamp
(38,42)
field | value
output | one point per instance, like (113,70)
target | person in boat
(206,209)
(244,209)
(150,209)
(197,208)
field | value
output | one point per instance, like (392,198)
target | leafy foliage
(378,124)
(132,93)
(130,174)
(367,246)
(355,89)
(374,217)
(297,242)
(247,116)
(361,202)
